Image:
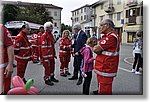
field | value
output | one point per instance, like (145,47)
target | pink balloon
(19,88)
(33,91)
(17,91)
(17,82)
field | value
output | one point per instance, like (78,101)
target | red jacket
(39,38)
(47,46)
(34,40)
(65,46)
(107,62)
(22,47)
(5,41)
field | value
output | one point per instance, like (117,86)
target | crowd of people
(41,49)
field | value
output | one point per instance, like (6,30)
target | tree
(9,12)
(36,13)
(65,27)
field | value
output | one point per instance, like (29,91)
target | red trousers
(21,67)
(40,52)
(105,85)
(35,54)
(49,67)
(5,81)
(64,60)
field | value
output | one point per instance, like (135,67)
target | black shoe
(49,82)
(63,75)
(54,79)
(68,73)
(79,82)
(73,78)
(95,92)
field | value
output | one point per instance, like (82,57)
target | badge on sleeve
(43,42)
(103,42)
(17,44)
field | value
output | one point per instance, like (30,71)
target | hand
(9,70)
(76,53)
(73,54)
(97,49)
(84,75)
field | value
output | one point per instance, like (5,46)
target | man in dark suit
(79,42)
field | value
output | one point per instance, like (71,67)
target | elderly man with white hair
(48,54)
(78,44)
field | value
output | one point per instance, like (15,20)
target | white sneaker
(138,73)
(133,70)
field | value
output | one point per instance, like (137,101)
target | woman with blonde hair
(87,63)
(65,53)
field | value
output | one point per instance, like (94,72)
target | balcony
(132,3)
(131,21)
(109,8)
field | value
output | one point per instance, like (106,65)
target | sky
(67,5)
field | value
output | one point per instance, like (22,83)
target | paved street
(125,82)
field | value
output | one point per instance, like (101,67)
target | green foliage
(9,12)
(65,27)
(36,13)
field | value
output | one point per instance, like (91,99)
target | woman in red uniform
(65,53)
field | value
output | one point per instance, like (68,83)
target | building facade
(133,20)
(54,11)
(82,15)
(127,16)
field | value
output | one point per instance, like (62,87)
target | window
(132,12)
(72,13)
(84,9)
(138,11)
(55,24)
(77,19)
(141,11)
(84,17)
(111,16)
(78,12)
(81,18)
(81,10)
(55,13)
(118,2)
(127,13)
(101,18)
(118,16)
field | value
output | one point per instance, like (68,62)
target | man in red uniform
(34,42)
(22,50)
(65,53)
(41,29)
(48,54)
(6,59)
(107,59)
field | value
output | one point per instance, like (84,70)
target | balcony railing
(109,8)
(133,3)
